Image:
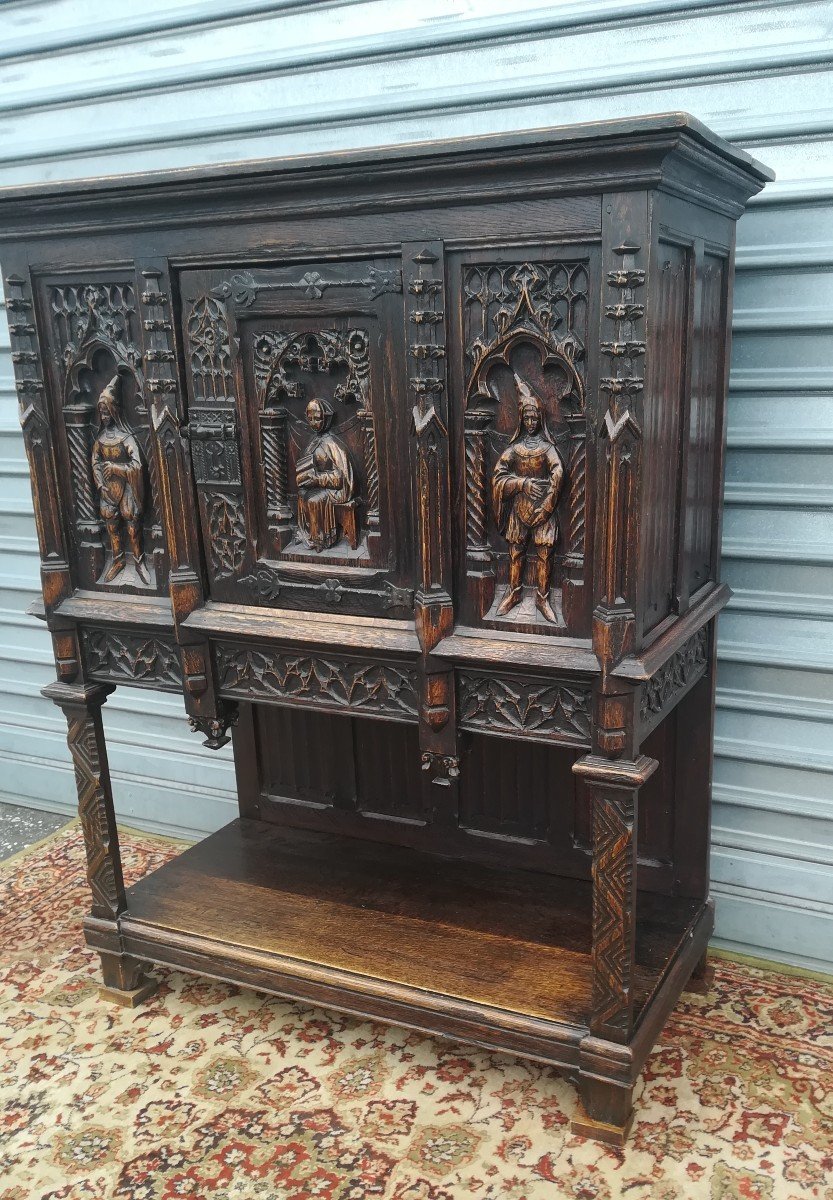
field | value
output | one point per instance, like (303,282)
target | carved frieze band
(326,681)
(613,915)
(555,711)
(119,656)
(674,678)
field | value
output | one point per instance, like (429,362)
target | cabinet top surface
(583,146)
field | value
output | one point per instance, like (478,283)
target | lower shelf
(497,957)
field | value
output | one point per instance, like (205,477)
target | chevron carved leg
(614,911)
(606,1064)
(124,980)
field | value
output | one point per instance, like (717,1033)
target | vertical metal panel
(199,81)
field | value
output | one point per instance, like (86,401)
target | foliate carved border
(532,709)
(674,678)
(325,681)
(141,659)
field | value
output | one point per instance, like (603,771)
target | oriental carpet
(216,1092)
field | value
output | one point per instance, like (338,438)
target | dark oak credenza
(404,467)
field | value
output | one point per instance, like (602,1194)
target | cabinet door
(299,440)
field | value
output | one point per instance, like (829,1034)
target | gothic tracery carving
(120,656)
(317,679)
(279,356)
(227,534)
(508,306)
(527,707)
(96,325)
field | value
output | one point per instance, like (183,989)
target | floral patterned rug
(214,1091)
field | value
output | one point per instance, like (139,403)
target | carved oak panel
(674,678)
(99,382)
(554,710)
(328,681)
(524,329)
(122,656)
(289,368)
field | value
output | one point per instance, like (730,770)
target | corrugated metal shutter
(195,81)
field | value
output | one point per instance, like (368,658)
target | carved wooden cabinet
(405,467)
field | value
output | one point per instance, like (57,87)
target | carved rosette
(323,681)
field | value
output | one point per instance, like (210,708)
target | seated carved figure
(526,483)
(324,477)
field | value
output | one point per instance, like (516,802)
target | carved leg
(134,533)
(702,977)
(114,532)
(514,591)
(605,1111)
(125,982)
(81,703)
(606,1073)
(543,577)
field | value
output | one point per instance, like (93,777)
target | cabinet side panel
(704,422)
(661,459)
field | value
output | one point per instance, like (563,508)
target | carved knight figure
(324,476)
(526,483)
(118,472)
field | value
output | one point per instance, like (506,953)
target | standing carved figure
(324,476)
(526,483)
(118,472)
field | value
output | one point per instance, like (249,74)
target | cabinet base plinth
(600,1131)
(132,998)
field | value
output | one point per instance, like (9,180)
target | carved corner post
(615,770)
(124,979)
(207,713)
(423,274)
(56,579)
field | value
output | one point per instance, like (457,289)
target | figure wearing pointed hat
(526,483)
(118,472)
